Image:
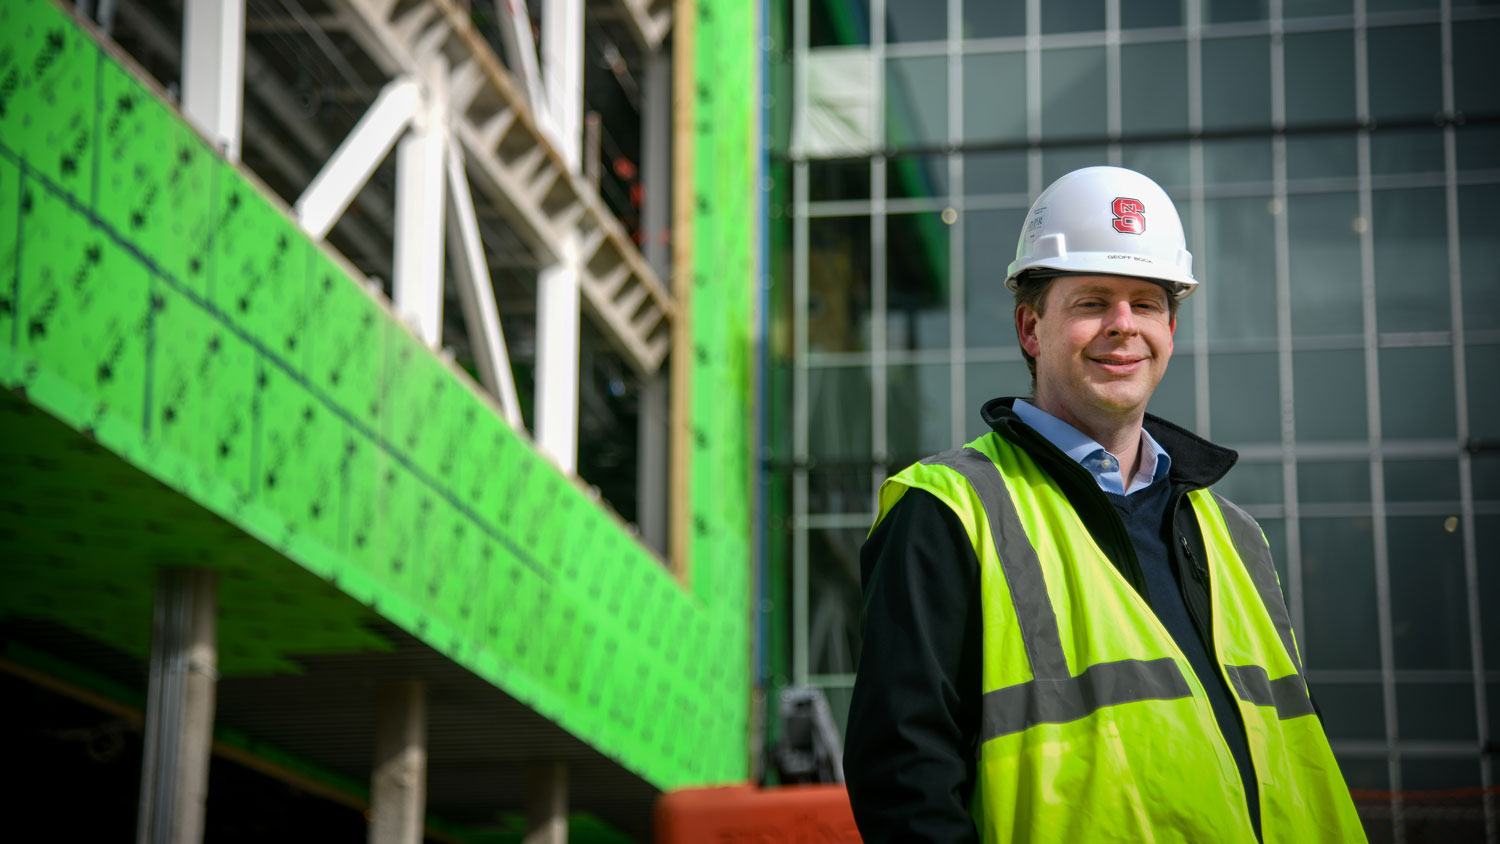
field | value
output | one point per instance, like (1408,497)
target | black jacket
(911,742)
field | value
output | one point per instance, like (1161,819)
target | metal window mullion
(1461,413)
(957,290)
(800,387)
(1199,211)
(1286,379)
(879,383)
(1373,422)
(1114,105)
(1034,96)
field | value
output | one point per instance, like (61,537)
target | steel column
(213,69)
(398,786)
(179,708)
(656,219)
(421,173)
(547,804)
(559,295)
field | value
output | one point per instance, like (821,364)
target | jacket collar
(1195,461)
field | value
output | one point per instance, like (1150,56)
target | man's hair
(1031,290)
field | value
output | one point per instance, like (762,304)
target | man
(1067,636)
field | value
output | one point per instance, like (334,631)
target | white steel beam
(557,333)
(562,74)
(478,297)
(213,69)
(398,783)
(420,178)
(340,180)
(649,20)
(520,47)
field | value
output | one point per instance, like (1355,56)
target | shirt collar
(1104,466)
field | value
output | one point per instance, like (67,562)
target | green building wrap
(196,382)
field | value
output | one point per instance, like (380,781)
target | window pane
(838,272)
(915,20)
(995,172)
(1232,161)
(1239,270)
(1072,16)
(838,179)
(985,381)
(1338,577)
(1478,147)
(994,97)
(988,19)
(1351,710)
(916,101)
(833,599)
(1175,397)
(1486,476)
(1429,599)
(1411,260)
(1481,362)
(1073,93)
(1236,82)
(918,410)
(1167,165)
(1059,161)
(1440,774)
(1474,85)
(1479,247)
(916,176)
(1249,484)
(989,246)
(1320,77)
(1244,398)
(1314,8)
(838,118)
(916,250)
(1436,711)
(1421,480)
(1231,11)
(1329,391)
(1324,252)
(1153,87)
(1487,547)
(1157,13)
(1333,482)
(838,413)
(1406,151)
(1406,72)
(1416,393)
(1320,157)
(840,490)
(1405,5)
(833,23)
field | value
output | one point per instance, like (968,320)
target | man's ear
(1026,319)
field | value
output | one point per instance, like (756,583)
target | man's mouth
(1119,364)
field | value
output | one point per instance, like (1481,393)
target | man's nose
(1120,319)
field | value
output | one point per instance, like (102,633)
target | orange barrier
(742,814)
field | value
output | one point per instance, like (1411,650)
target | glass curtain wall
(1337,167)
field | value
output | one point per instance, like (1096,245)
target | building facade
(1337,167)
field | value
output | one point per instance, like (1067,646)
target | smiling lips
(1119,364)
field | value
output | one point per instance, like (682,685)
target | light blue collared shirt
(1105,467)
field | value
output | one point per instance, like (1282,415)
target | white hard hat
(1109,221)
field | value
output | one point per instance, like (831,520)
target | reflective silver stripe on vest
(1288,694)
(1055,696)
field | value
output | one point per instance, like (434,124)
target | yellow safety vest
(1094,726)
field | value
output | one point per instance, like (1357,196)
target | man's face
(1101,348)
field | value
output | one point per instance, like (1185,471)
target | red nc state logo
(1130,215)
